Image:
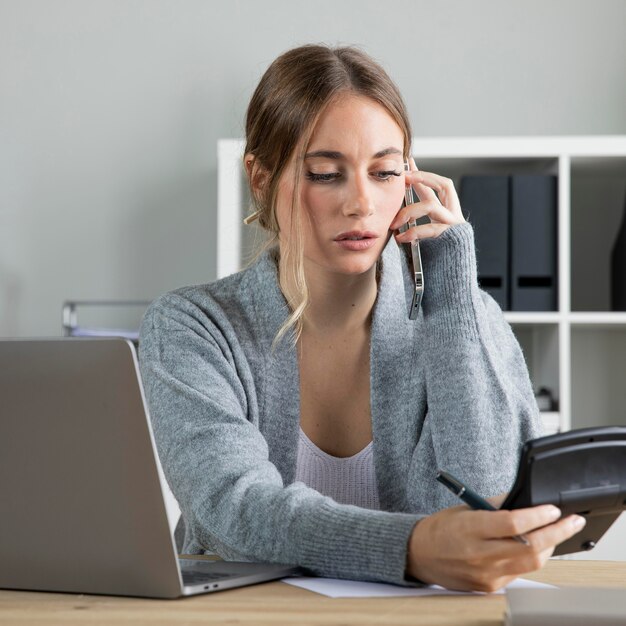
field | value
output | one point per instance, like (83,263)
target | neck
(337,303)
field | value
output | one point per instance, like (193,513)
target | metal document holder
(71,327)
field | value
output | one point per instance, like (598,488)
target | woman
(300,415)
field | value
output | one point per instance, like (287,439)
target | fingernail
(555,512)
(579,522)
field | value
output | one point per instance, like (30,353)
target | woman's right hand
(463,549)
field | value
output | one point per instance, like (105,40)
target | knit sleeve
(217,464)
(478,388)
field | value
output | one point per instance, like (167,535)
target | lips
(356,234)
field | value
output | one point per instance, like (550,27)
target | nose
(359,201)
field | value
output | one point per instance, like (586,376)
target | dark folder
(485,202)
(533,242)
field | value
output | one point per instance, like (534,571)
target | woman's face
(352,186)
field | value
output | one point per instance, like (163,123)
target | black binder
(533,242)
(485,203)
(618,268)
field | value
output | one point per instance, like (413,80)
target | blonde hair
(286,105)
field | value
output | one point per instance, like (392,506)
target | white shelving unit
(578,351)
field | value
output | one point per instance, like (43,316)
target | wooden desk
(277,603)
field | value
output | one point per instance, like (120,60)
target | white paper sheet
(340,588)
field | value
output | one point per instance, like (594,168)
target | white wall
(110,112)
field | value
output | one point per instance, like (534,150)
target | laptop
(83,507)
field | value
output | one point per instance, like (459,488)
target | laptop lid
(82,506)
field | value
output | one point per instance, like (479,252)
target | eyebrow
(331,154)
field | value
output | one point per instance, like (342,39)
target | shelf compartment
(500,203)
(598,201)
(540,345)
(598,358)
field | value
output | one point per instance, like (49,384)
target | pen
(470,497)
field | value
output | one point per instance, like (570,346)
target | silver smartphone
(416,286)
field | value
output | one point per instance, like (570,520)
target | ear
(257,174)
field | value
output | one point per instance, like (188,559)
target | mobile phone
(415,288)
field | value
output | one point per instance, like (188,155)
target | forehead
(356,126)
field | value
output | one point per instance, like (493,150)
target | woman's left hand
(443,211)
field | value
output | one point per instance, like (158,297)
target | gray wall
(110,112)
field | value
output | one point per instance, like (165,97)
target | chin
(356,266)
(346,262)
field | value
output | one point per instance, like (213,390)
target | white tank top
(349,480)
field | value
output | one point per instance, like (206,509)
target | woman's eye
(332,176)
(387,175)
(322,178)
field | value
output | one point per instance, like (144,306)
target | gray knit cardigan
(449,390)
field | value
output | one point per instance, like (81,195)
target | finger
(556,533)
(423,231)
(434,210)
(506,557)
(516,559)
(415,231)
(519,561)
(518,522)
(443,186)
(424,192)
(541,545)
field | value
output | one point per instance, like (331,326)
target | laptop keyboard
(197,577)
